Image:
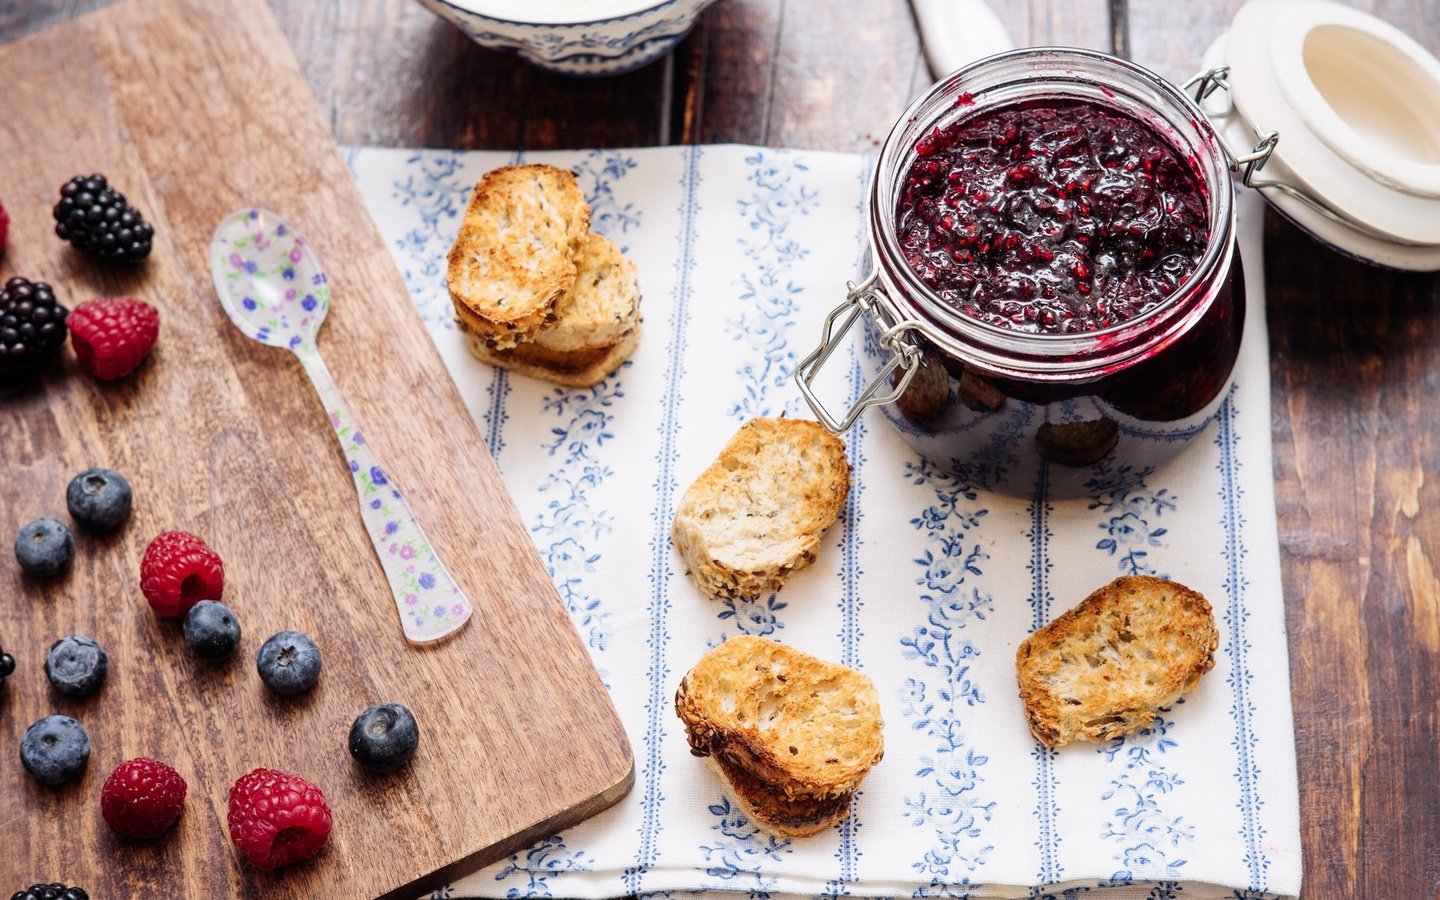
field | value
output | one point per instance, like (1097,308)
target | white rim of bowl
(614,10)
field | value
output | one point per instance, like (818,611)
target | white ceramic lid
(1356,104)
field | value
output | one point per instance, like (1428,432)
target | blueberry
(211,630)
(44,547)
(384,737)
(55,749)
(7,665)
(289,663)
(99,499)
(76,665)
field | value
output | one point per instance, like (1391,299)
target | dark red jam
(1051,216)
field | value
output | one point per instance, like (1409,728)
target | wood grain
(1355,351)
(1355,365)
(196,107)
(796,73)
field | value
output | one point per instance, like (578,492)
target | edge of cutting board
(162,96)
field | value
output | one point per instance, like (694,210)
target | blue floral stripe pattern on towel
(741,851)
(951,803)
(657,705)
(1150,842)
(1047,807)
(851,634)
(1247,773)
(924,583)
(779,195)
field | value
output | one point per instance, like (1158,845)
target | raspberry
(112,335)
(4,226)
(179,570)
(142,798)
(277,819)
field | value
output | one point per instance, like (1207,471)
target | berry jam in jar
(1055,299)
(1051,216)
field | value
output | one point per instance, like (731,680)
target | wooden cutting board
(194,108)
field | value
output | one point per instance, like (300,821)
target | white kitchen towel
(925,584)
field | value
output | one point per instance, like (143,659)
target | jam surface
(1051,216)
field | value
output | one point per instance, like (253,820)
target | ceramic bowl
(576,37)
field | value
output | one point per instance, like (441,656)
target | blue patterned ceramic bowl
(577,37)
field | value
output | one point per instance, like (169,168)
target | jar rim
(1058,355)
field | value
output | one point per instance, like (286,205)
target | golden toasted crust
(604,305)
(579,368)
(770,810)
(757,514)
(805,727)
(1104,668)
(514,257)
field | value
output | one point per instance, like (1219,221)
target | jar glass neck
(1068,74)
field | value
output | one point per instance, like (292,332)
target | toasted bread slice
(757,514)
(770,810)
(1104,668)
(579,368)
(603,307)
(805,727)
(515,254)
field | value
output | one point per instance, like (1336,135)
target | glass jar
(1013,411)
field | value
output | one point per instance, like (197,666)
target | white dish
(576,37)
(561,12)
(1355,103)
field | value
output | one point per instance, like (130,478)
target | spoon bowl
(269,280)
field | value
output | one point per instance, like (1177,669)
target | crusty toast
(1104,668)
(603,307)
(770,810)
(757,514)
(514,257)
(577,368)
(804,727)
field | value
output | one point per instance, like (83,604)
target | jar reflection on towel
(1073,412)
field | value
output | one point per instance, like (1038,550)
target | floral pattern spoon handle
(274,290)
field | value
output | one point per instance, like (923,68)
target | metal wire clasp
(1250,164)
(860,300)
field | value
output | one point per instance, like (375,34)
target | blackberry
(50,892)
(7,665)
(100,222)
(32,326)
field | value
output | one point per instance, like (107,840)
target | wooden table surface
(1355,351)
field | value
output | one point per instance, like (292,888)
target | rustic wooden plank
(390,73)
(1355,358)
(20,19)
(1354,445)
(770,74)
(794,73)
(1035,23)
(1171,38)
(177,101)
(414,79)
(1354,438)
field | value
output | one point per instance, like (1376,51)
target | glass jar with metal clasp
(1016,364)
